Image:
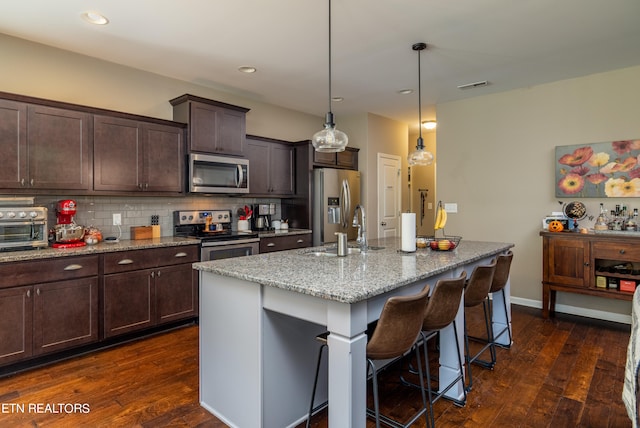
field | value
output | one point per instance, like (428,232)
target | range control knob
(33,214)
(22,214)
(1,214)
(11,214)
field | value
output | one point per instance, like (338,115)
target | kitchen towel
(408,232)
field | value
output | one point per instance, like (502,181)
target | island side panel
(230,349)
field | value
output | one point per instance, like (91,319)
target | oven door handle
(231,242)
(23,223)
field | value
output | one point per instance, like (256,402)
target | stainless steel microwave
(218,174)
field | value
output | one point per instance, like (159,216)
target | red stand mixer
(68,233)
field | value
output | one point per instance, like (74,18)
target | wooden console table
(571,262)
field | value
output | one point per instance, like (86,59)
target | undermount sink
(333,252)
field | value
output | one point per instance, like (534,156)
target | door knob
(384,223)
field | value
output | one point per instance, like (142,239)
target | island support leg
(347,365)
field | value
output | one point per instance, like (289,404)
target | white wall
(496,160)
(41,71)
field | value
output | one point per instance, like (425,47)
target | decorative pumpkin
(556,226)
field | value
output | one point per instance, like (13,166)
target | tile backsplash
(98,210)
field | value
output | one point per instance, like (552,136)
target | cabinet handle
(146,186)
(31,182)
(159,274)
(140,186)
(125,262)
(300,241)
(22,182)
(28,293)
(153,274)
(38,291)
(181,254)
(586,264)
(73,267)
(271,244)
(622,251)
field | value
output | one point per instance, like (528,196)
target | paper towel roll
(408,232)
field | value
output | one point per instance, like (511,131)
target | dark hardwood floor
(563,372)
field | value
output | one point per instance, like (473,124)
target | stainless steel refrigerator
(336,192)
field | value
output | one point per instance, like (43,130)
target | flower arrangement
(599,170)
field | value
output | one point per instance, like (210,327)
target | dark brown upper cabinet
(44,147)
(135,156)
(214,127)
(271,164)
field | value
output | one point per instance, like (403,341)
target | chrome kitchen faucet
(362,228)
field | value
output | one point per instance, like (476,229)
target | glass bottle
(602,222)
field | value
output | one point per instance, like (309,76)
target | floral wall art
(601,170)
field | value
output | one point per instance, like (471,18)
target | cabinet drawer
(49,270)
(281,243)
(126,261)
(170,256)
(615,251)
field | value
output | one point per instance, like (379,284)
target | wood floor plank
(563,372)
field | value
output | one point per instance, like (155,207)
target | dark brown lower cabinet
(58,304)
(65,314)
(47,306)
(157,286)
(128,301)
(16,331)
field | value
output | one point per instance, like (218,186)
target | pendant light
(329,139)
(420,156)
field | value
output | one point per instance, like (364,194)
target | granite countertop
(355,277)
(124,245)
(272,233)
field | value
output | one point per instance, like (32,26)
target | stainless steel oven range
(217,239)
(23,226)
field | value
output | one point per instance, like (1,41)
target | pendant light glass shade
(420,156)
(329,139)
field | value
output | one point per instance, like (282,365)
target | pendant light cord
(419,98)
(330,58)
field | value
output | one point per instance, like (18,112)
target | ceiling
(510,44)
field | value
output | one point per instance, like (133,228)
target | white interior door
(389,195)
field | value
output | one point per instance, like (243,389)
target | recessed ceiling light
(95,18)
(405,91)
(429,124)
(247,69)
(337,99)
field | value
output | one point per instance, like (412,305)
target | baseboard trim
(574,310)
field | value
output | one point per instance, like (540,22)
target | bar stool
(441,312)
(500,278)
(503,268)
(394,335)
(476,292)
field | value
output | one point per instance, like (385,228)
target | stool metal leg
(315,384)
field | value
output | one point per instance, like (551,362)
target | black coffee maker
(262,216)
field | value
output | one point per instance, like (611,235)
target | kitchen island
(259,316)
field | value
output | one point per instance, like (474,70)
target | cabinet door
(16,324)
(568,262)
(215,129)
(282,243)
(59,149)
(163,158)
(231,135)
(128,302)
(65,314)
(258,155)
(118,152)
(13,144)
(176,293)
(347,158)
(281,169)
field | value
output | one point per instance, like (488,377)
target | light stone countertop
(355,277)
(124,245)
